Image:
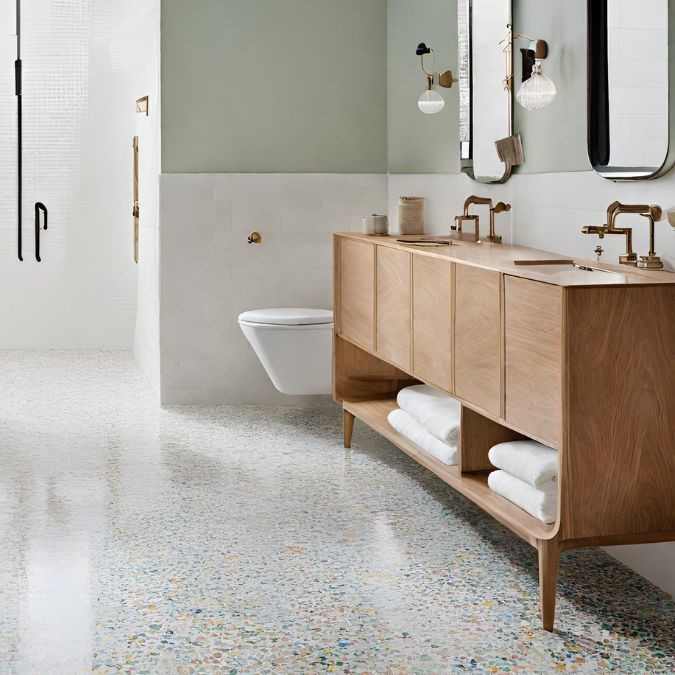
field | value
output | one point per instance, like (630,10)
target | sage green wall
(419,143)
(274,86)
(554,138)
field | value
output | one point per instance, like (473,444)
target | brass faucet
(653,213)
(473,200)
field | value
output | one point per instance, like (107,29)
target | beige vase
(411,215)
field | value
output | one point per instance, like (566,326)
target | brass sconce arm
(445,79)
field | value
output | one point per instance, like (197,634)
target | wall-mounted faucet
(652,213)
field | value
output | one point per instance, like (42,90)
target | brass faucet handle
(656,212)
(501,207)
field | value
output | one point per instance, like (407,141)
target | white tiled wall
(210,274)
(445,195)
(549,212)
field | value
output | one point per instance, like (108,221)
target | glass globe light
(538,91)
(431,102)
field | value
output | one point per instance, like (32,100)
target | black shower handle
(39,207)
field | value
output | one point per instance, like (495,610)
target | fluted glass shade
(537,92)
(431,102)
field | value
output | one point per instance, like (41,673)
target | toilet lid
(288,316)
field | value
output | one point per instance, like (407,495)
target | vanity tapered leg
(347,427)
(549,556)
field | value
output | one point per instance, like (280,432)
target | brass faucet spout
(600,230)
(473,199)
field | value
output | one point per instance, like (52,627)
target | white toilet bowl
(295,347)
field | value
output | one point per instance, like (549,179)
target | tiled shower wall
(210,274)
(78,125)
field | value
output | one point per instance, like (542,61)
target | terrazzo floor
(247,540)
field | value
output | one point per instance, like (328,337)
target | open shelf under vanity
(472,485)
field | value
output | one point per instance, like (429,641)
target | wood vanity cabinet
(581,361)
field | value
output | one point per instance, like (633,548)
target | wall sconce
(537,89)
(431,102)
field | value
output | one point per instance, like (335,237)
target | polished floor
(247,540)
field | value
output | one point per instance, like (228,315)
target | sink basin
(425,242)
(554,266)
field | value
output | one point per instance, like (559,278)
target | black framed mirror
(630,80)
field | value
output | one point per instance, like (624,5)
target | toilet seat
(287,316)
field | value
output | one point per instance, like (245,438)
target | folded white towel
(437,412)
(415,432)
(535,502)
(528,460)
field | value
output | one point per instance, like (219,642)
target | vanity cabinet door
(432,321)
(533,335)
(478,338)
(356,298)
(394,306)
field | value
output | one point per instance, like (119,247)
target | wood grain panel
(618,461)
(357,291)
(394,306)
(533,352)
(432,321)
(477,435)
(478,337)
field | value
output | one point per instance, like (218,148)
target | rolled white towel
(415,432)
(437,412)
(536,502)
(530,461)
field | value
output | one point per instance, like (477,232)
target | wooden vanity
(581,360)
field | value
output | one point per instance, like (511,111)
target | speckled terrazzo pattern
(247,540)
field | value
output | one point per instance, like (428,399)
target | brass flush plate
(143,106)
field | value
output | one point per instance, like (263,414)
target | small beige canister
(411,215)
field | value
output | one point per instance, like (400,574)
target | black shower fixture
(18,90)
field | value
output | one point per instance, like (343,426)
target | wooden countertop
(501,257)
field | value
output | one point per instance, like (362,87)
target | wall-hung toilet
(294,345)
